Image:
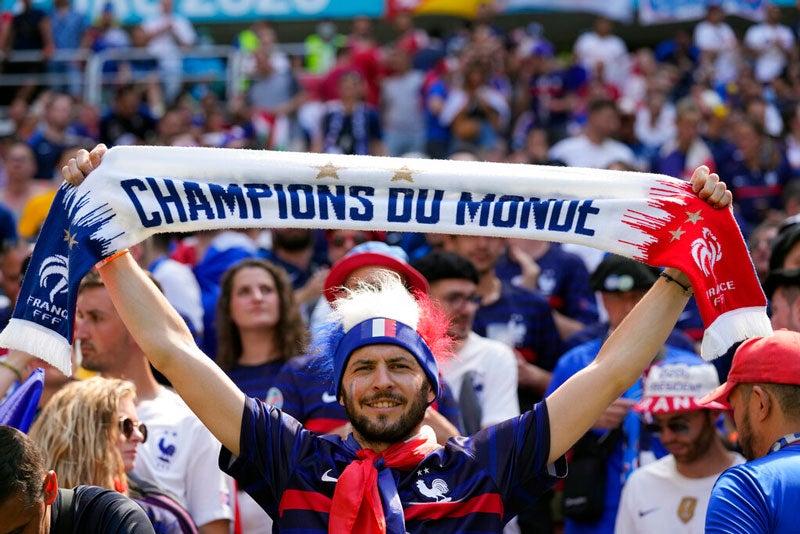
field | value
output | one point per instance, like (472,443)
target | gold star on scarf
(676,234)
(403,173)
(70,239)
(329,170)
(693,217)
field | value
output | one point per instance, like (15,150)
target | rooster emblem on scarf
(437,490)
(706,251)
(54,267)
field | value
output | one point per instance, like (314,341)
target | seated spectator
(106,34)
(21,185)
(89,434)
(55,134)
(30,495)
(672,494)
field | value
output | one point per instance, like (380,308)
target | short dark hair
(21,466)
(440,265)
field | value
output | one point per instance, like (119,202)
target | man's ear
(431,396)
(50,487)
(763,402)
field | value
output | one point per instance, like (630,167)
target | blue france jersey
(473,484)
(759,496)
(301,392)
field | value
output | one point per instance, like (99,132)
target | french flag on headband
(384,328)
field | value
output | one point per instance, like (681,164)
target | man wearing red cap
(763,391)
(671,495)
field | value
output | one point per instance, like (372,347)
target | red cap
(373,254)
(772,359)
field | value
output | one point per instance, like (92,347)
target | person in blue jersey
(389,474)
(763,391)
(297,389)
(259,326)
(622,283)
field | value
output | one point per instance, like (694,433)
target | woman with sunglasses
(89,434)
(259,328)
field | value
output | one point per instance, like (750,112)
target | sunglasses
(340,241)
(127,426)
(679,428)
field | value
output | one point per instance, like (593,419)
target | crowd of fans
(705,97)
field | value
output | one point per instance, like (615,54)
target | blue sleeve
(447,405)
(737,505)
(270,446)
(374,125)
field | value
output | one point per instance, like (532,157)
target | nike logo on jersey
(643,513)
(328,398)
(326,477)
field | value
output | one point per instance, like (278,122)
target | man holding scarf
(388,475)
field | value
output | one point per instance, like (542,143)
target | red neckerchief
(356,505)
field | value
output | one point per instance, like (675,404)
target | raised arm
(164,337)
(629,349)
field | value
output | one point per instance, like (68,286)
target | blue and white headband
(378,331)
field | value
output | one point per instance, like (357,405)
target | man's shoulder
(101,510)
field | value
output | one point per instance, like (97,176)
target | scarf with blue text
(140,191)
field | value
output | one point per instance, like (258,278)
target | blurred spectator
(477,113)
(771,44)
(686,150)
(765,114)
(36,209)
(321,47)
(409,37)
(792,140)
(165,35)
(756,174)
(274,94)
(719,48)
(535,149)
(365,56)
(599,50)
(68,27)
(401,104)
(435,89)
(30,32)
(350,126)
(682,55)
(595,147)
(760,244)
(655,120)
(106,34)
(128,122)
(545,93)
(20,167)
(55,134)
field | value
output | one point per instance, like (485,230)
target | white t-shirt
(657,499)
(772,45)
(579,151)
(494,372)
(181,456)
(167,45)
(181,289)
(610,50)
(721,39)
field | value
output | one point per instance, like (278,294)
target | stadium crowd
(526,315)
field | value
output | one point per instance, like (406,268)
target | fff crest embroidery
(706,252)
(686,509)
